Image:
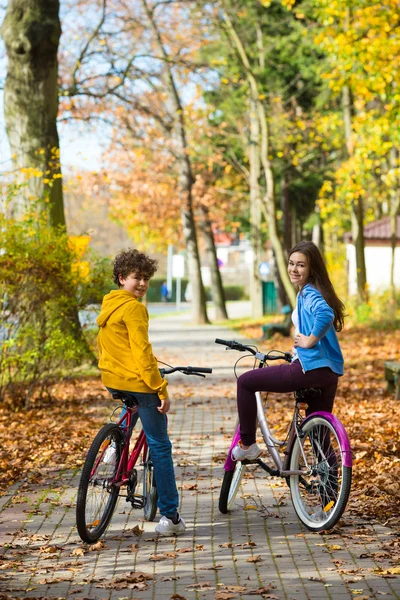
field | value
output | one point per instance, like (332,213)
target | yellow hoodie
(126,356)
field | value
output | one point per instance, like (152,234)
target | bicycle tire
(96,500)
(319,496)
(149,487)
(230,487)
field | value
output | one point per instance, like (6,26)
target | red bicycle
(110,465)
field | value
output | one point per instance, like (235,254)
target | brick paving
(258,550)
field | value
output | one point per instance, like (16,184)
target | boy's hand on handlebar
(165,406)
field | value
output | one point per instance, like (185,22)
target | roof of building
(378,230)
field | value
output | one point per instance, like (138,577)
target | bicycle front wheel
(149,487)
(230,487)
(320,495)
(97,495)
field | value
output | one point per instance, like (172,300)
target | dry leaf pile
(53,434)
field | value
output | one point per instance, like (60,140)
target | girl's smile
(298,269)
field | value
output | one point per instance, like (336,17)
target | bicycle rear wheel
(97,496)
(230,487)
(149,487)
(320,495)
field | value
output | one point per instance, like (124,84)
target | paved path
(259,550)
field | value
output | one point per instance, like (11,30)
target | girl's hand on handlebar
(165,406)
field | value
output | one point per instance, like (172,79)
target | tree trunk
(357,208)
(199,310)
(31,31)
(357,213)
(269,197)
(394,211)
(286,214)
(255,212)
(269,202)
(218,293)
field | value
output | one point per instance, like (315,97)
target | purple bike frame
(334,421)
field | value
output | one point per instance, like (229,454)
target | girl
(317,359)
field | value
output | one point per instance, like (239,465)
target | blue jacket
(315,317)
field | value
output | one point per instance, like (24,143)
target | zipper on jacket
(301,364)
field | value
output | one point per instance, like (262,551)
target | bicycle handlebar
(186,370)
(233,345)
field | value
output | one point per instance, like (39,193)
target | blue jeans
(154,425)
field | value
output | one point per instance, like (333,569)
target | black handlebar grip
(200,369)
(223,342)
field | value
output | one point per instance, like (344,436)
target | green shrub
(98,282)
(154,292)
(235,292)
(40,334)
(232,292)
(381,311)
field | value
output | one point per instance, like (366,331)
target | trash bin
(269,299)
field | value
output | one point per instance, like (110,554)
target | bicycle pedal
(138,501)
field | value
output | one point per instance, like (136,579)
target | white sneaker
(110,455)
(251,453)
(166,527)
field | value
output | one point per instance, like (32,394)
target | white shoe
(166,527)
(110,455)
(251,453)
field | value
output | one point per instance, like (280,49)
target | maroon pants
(281,378)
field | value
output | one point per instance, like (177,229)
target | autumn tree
(31,31)
(362,48)
(144,68)
(268,93)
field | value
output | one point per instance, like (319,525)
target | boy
(127,364)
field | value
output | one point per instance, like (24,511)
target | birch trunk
(255,212)
(218,293)
(394,211)
(269,197)
(357,208)
(31,31)
(185,183)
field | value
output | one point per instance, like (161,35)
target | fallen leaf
(98,546)
(261,591)
(78,552)
(254,559)
(136,530)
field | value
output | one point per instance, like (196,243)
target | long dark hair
(319,278)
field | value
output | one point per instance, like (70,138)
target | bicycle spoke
(320,494)
(97,496)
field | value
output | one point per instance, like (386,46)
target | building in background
(378,256)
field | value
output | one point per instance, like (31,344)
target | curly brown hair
(132,261)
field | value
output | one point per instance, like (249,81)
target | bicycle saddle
(305,393)
(124,398)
